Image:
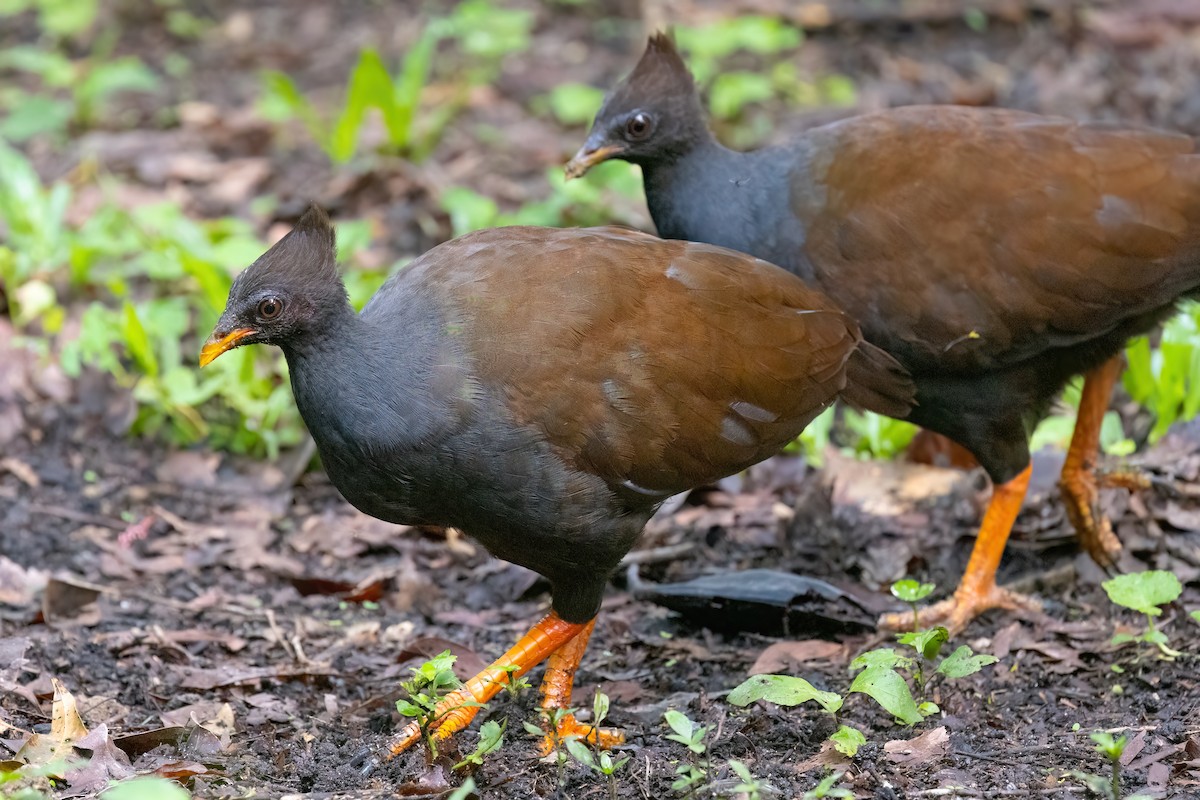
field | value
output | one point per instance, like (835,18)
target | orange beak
(214,346)
(587,158)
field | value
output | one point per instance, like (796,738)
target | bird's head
(653,114)
(291,291)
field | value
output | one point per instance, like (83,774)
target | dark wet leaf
(763,601)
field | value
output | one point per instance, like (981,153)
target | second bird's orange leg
(977,591)
(452,715)
(1078,481)
(557,687)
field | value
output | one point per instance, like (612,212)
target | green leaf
(963,662)
(686,732)
(911,591)
(137,340)
(884,657)
(463,792)
(928,708)
(847,740)
(731,91)
(1107,746)
(67,17)
(370,87)
(928,642)
(575,103)
(580,752)
(1144,591)
(468,210)
(783,690)
(35,115)
(887,687)
(145,788)
(1195,615)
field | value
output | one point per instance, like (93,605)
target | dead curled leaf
(785,656)
(929,746)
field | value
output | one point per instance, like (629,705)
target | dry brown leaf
(67,602)
(929,746)
(785,656)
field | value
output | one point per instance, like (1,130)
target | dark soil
(238,596)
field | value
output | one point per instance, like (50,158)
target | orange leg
(556,694)
(1078,482)
(977,591)
(550,634)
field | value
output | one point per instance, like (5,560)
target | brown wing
(974,238)
(656,365)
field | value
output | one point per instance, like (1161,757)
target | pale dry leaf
(785,656)
(929,746)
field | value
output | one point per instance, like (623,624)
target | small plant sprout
(430,682)
(464,791)
(514,686)
(749,786)
(786,690)
(491,736)
(846,740)
(881,675)
(1145,592)
(603,762)
(827,789)
(1107,787)
(912,592)
(691,736)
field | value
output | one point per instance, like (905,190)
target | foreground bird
(544,391)
(994,253)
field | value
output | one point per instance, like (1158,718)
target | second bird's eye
(638,126)
(270,308)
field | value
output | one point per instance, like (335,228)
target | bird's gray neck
(720,196)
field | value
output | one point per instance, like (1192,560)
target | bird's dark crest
(660,61)
(306,256)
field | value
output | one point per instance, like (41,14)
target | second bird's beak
(219,344)
(588,157)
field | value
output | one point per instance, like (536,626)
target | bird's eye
(638,126)
(270,308)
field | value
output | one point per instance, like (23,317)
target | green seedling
(847,740)
(692,774)
(491,737)
(484,35)
(72,93)
(1195,616)
(463,792)
(882,678)
(912,592)
(1107,787)
(145,788)
(1145,592)
(749,786)
(787,690)
(602,762)
(1164,380)
(827,789)
(431,682)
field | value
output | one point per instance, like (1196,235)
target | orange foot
(977,591)
(955,612)
(1081,495)
(556,696)
(568,727)
(457,709)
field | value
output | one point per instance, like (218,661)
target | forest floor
(235,623)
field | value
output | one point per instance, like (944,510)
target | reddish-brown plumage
(994,253)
